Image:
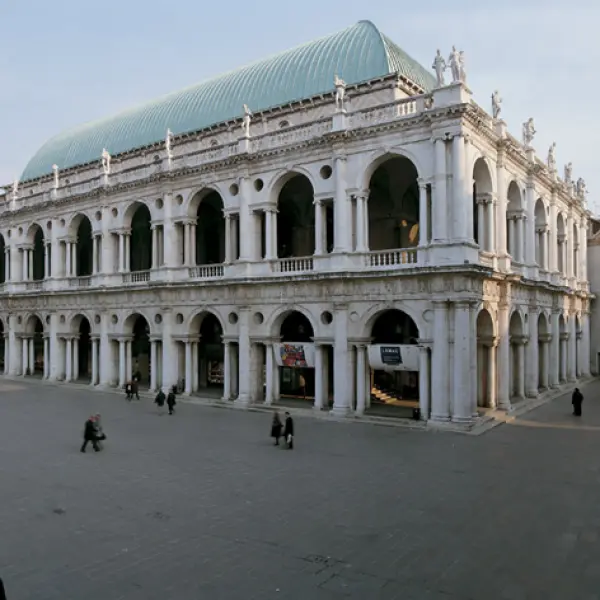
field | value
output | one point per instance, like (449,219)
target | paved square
(201,505)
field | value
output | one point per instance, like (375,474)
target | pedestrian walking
(577,400)
(100,435)
(135,388)
(276,427)
(128,391)
(302,383)
(2,590)
(89,435)
(171,402)
(160,400)
(288,432)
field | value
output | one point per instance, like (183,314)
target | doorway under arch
(84,350)
(562,348)
(210,230)
(517,359)
(295,219)
(39,261)
(210,364)
(394,388)
(544,339)
(140,350)
(84,248)
(486,361)
(33,355)
(140,258)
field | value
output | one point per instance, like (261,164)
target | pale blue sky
(70,61)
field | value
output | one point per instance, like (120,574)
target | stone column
(7,354)
(462,203)
(56,350)
(75,359)
(95,369)
(520,238)
(583,272)
(128,360)
(530,229)
(503,371)
(95,239)
(462,406)
(25,351)
(532,362)
(512,230)
(153,365)
(74,258)
(341,208)
(121,252)
(545,341)
(489,238)
(193,244)
(423,214)
(361,388)
(31,264)
(269,255)
(440,402)
(46,358)
(269,368)
(545,234)
(552,242)
(228,244)
(7,263)
(360,223)
(127,265)
(424,388)
(188,368)
(319,401)
(521,369)
(154,246)
(501,245)
(319,227)
(492,376)
(341,389)
(571,349)
(195,365)
(440,202)
(69,360)
(68,257)
(244,365)
(31,356)
(122,363)
(24,265)
(554,366)
(585,365)
(46,259)
(227,371)
(481,229)
(564,341)
(571,246)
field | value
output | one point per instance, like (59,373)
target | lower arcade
(446,354)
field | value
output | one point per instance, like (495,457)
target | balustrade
(392,258)
(292,265)
(136,277)
(206,271)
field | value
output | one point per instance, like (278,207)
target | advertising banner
(394,357)
(295,355)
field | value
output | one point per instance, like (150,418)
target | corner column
(361,380)
(532,358)
(440,402)
(95,353)
(227,370)
(463,394)
(424,385)
(554,366)
(188,368)
(440,204)
(503,372)
(341,389)
(461,205)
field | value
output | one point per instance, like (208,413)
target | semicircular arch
(279,315)
(283,176)
(30,321)
(194,321)
(131,209)
(76,320)
(131,318)
(372,314)
(381,156)
(195,197)
(75,221)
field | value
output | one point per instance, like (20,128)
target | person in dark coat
(276,427)
(160,400)
(128,391)
(2,590)
(171,402)
(576,400)
(90,435)
(135,388)
(288,432)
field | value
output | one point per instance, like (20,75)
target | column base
(531,394)
(462,420)
(242,401)
(225,398)
(504,405)
(439,418)
(341,411)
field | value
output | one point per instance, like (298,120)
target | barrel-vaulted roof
(356,54)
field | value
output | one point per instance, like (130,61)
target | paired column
(320,229)
(95,361)
(227,371)
(270,373)
(270,234)
(554,365)
(440,405)
(361,379)
(463,409)
(424,383)
(440,203)
(228,253)
(463,223)
(362,222)
(504,369)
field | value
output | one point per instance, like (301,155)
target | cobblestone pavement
(201,505)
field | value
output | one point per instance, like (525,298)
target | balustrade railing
(34,285)
(392,258)
(206,271)
(293,265)
(80,282)
(136,277)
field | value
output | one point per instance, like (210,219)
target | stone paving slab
(201,505)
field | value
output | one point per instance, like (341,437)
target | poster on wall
(397,357)
(295,355)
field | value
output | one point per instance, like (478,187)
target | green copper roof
(356,54)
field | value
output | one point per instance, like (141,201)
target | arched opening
(483,213)
(562,349)
(393,207)
(140,258)
(140,350)
(517,358)
(541,235)
(39,267)
(575,244)
(34,354)
(395,383)
(211,354)
(84,247)
(515,217)
(210,230)
(544,339)
(486,361)
(296,373)
(84,350)
(3,273)
(295,219)
(560,244)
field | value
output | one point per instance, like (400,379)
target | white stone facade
(423,204)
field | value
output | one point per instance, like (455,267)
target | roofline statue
(55,173)
(568,173)
(496,104)
(15,189)
(246,120)
(439,66)
(552,158)
(340,92)
(528,132)
(106,162)
(169,144)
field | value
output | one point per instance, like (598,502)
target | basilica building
(336,225)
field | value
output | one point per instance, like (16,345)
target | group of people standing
(169,399)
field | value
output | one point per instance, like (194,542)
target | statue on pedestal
(581,188)
(568,173)
(15,189)
(461,66)
(552,158)
(439,65)
(454,62)
(496,104)
(246,119)
(340,92)
(169,144)
(106,162)
(55,173)
(528,132)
